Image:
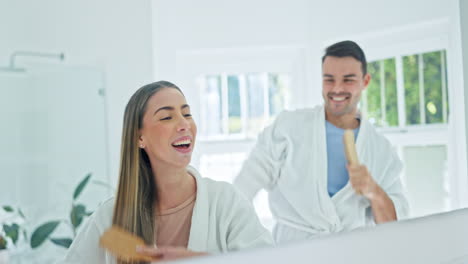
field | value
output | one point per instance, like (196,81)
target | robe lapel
(198,231)
(328,206)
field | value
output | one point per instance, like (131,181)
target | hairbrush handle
(350,147)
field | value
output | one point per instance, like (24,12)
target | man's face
(343,82)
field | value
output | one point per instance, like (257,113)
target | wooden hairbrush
(122,244)
(350,147)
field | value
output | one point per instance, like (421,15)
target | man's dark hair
(347,48)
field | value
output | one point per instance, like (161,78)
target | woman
(160,198)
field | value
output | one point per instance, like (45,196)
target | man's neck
(346,121)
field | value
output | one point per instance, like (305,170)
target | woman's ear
(141,141)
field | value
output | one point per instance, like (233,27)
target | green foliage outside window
(431,106)
(391,98)
(374,112)
(433,87)
(411,77)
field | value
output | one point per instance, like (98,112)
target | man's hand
(361,181)
(167,253)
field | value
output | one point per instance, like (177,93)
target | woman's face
(168,133)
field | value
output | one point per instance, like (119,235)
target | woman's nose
(183,124)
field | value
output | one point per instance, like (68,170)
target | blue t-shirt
(337,173)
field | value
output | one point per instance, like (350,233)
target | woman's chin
(183,163)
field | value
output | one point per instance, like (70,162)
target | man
(300,160)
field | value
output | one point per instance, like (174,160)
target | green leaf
(3,242)
(8,208)
(21,213)
(81,186)
(42,233)
(63,242)
(77,214)
(12,231)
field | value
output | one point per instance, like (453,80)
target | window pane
(411,77)
(391,98)
(433,87)
(374,112)
(278,92)
(256,85)
(234,105)
(427,185)
(211,107)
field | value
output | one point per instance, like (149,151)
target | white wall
(223,24)
(206,24)
(463,15)
(114,36)
(109,37)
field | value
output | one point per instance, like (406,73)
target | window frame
(401,100)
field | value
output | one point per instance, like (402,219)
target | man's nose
(337,87)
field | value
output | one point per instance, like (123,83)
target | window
(234,110)
(407,99)
(241,105)
(239,91)
(420,98)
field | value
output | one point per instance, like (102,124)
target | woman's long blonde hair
(137,195)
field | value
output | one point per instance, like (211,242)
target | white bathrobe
(290,162)
(222,220)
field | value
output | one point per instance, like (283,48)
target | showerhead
(13,68)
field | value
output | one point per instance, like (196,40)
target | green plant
(11,232)
(77,215)
(3,243)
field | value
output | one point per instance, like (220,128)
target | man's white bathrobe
(222,220)
(290,162)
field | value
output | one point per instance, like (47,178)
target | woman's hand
(167,253)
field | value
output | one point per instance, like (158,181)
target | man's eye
(166,118)
(328,80)
(349,80)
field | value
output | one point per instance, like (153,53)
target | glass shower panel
(53,134)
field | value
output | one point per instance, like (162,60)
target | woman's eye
(166,118)
(188,115)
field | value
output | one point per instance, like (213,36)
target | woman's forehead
(167,97)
